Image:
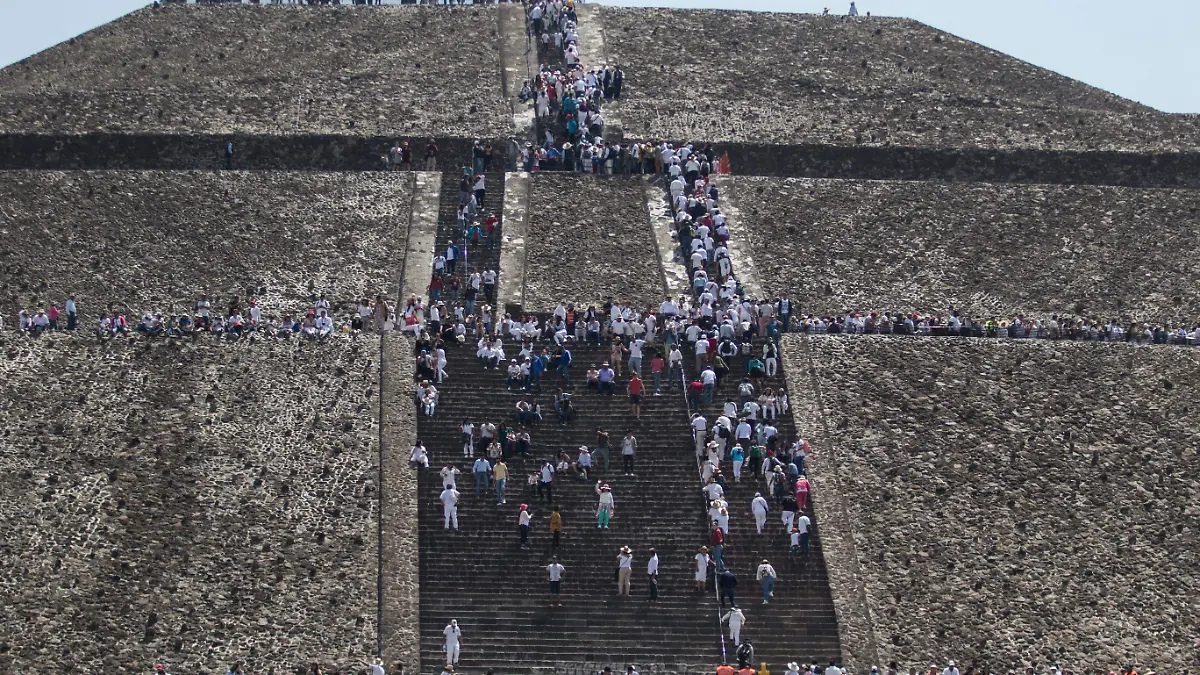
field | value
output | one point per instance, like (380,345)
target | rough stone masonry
(895,246)
(1011,503)
(196,502)
(153,241)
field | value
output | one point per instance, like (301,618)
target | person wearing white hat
(950,669)
(624,570)
(736,620)
(759,506)
(453,641)
(793,668)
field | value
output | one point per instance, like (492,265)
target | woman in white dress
(702,562)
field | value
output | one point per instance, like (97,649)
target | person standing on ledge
(853,10)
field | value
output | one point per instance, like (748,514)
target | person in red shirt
(717,541)
(635,395)
(694,389)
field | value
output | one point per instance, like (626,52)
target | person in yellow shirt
(500,475)
(555,530)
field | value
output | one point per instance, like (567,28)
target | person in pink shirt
(802,488)
(656,368)
(52,314)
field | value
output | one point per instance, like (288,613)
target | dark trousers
(524,534)
(554,540)
(653,586)
(726,591)
(627,461)
(549,489)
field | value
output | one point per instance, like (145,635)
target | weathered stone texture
(150,241)
(401,625)
(1016,503)
(589,238)
(984,249)
(267,69)
(797,78)
(187,503)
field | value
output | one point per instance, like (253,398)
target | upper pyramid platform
(188,69)
(771,78)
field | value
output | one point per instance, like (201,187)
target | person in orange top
(725,669)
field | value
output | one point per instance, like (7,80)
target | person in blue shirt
(564,366)
(537,364)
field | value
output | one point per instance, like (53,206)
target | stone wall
(797,78)
(984,249)
(589,238)
(966,164)
(1014,503)
(187,503)
(186,152)
(268,70)
(154,241)
(400,629)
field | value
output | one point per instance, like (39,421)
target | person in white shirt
(853,12)
(766,575)
(700,428)
(453,644)
(736,620)
(652,574)
(758,506)
(554,573)
(449,498)
(702,562)
(419,457)
(449,475)
(950,669)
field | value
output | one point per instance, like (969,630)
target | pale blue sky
(1145,51)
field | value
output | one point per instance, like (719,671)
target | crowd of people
(240,317)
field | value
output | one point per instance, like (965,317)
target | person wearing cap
(736,619)
(652,575)
(624,570)
(950,669)
(605,505)
(453,644)
(759,506)
(766,575)
(793,668)
(745,655)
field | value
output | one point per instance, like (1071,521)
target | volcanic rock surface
(153,241)
(761,77)
(190,69)
(1013,503)
(187,503)
(590,239)
(984,249)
